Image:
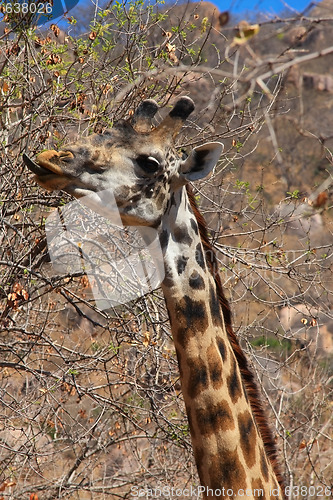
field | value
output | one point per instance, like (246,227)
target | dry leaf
(15,50)
(146,339)
(245,32)
(53,59)
(224,18)
(55,29)
(302,445)
(170,47)
(320,200)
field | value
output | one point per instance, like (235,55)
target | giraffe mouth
(47,162)
(34,167)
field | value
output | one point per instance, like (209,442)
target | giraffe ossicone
(233,445)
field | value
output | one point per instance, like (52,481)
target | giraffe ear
(201,161)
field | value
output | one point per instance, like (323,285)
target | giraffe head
(137,162)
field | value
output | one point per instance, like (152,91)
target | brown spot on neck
(214,417)
(227,470)
(197,378)
(190,318)
(215,366)
(234,383)
(248,437)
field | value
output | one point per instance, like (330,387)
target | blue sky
(269,6)
(251,7)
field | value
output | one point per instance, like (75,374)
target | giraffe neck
(228,447)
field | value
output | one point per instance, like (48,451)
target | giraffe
(232,443)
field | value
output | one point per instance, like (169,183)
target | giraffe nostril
(50,161)
(66,155)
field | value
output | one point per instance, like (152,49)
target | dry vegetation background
(90,400)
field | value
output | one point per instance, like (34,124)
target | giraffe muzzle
(33,167)
(48,162)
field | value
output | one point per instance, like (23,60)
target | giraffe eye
(148,163)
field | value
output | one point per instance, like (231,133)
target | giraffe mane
(246,374)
